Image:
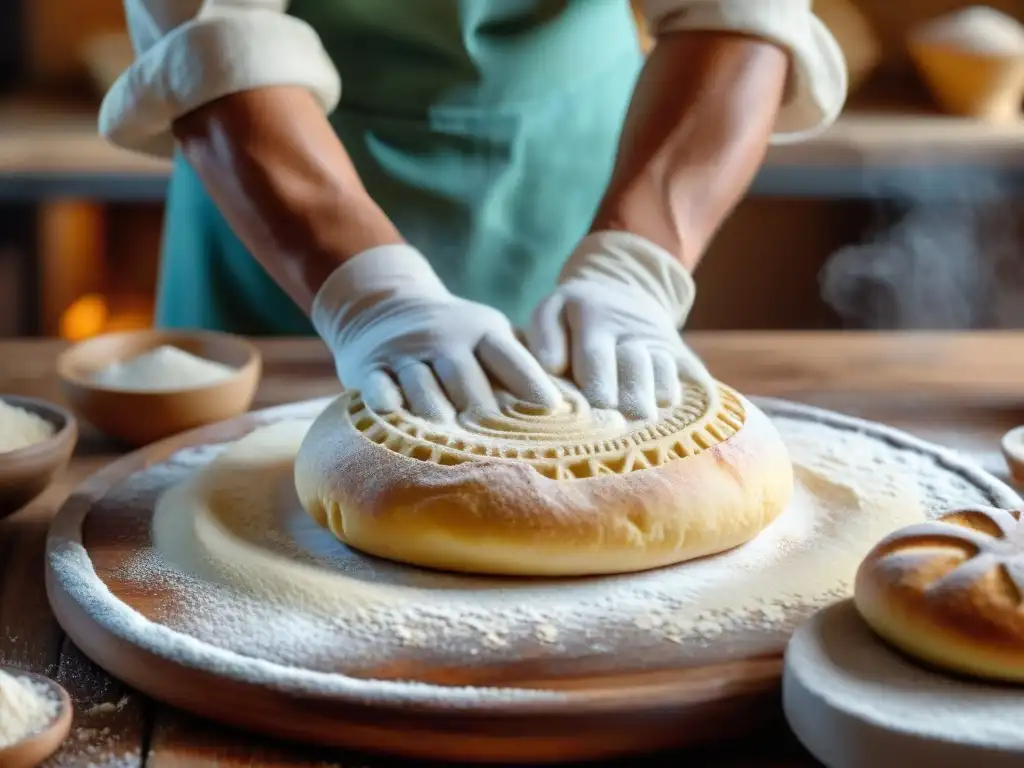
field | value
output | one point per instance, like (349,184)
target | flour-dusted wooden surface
(959,390)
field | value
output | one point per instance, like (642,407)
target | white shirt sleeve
(817,84)
(191,52)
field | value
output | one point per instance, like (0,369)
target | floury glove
(401,338)
(615,319)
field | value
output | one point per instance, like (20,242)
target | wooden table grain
(961,390)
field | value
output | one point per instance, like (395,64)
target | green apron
(486,130)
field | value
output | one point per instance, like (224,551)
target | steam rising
(951,261)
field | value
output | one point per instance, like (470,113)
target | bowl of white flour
(37,439)
(142,386)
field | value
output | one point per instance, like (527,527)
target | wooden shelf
(46,138)
(866,137)
(47,142)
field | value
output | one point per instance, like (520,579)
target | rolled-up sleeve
(817,83)
(191,52)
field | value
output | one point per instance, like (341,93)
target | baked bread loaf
(950,592)
(567,492)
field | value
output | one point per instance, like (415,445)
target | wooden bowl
(32,751)
(26,472)
(140,417)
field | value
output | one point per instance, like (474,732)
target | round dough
(569,492)
(950,592)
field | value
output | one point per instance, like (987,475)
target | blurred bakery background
(908,214)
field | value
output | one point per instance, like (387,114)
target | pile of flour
(20,428)
(26,707)
(162,369)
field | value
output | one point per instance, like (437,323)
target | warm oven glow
(87,316)
(92,314)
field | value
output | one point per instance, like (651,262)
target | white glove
(395,330)
(615,318)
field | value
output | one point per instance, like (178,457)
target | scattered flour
(88,747)
(978,29)
(162,369)
(26,707)
(20,428)
(107,707)
(256,591)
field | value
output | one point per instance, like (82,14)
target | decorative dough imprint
(573,441)
(980,544)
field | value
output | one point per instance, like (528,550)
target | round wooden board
(596,713)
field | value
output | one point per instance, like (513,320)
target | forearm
(278,173)
(696,132)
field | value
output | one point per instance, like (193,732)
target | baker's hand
(614,319)
(399,336)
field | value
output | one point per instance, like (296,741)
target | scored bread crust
(950,592)
(705,479)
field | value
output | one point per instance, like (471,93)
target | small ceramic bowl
(1013,451)
(139,417)
(26,472)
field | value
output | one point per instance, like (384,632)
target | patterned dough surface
(569,491)
(950,592)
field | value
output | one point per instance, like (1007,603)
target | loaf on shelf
(855,35)
(973,62)
(106,56)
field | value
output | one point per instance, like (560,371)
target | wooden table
(962,390)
